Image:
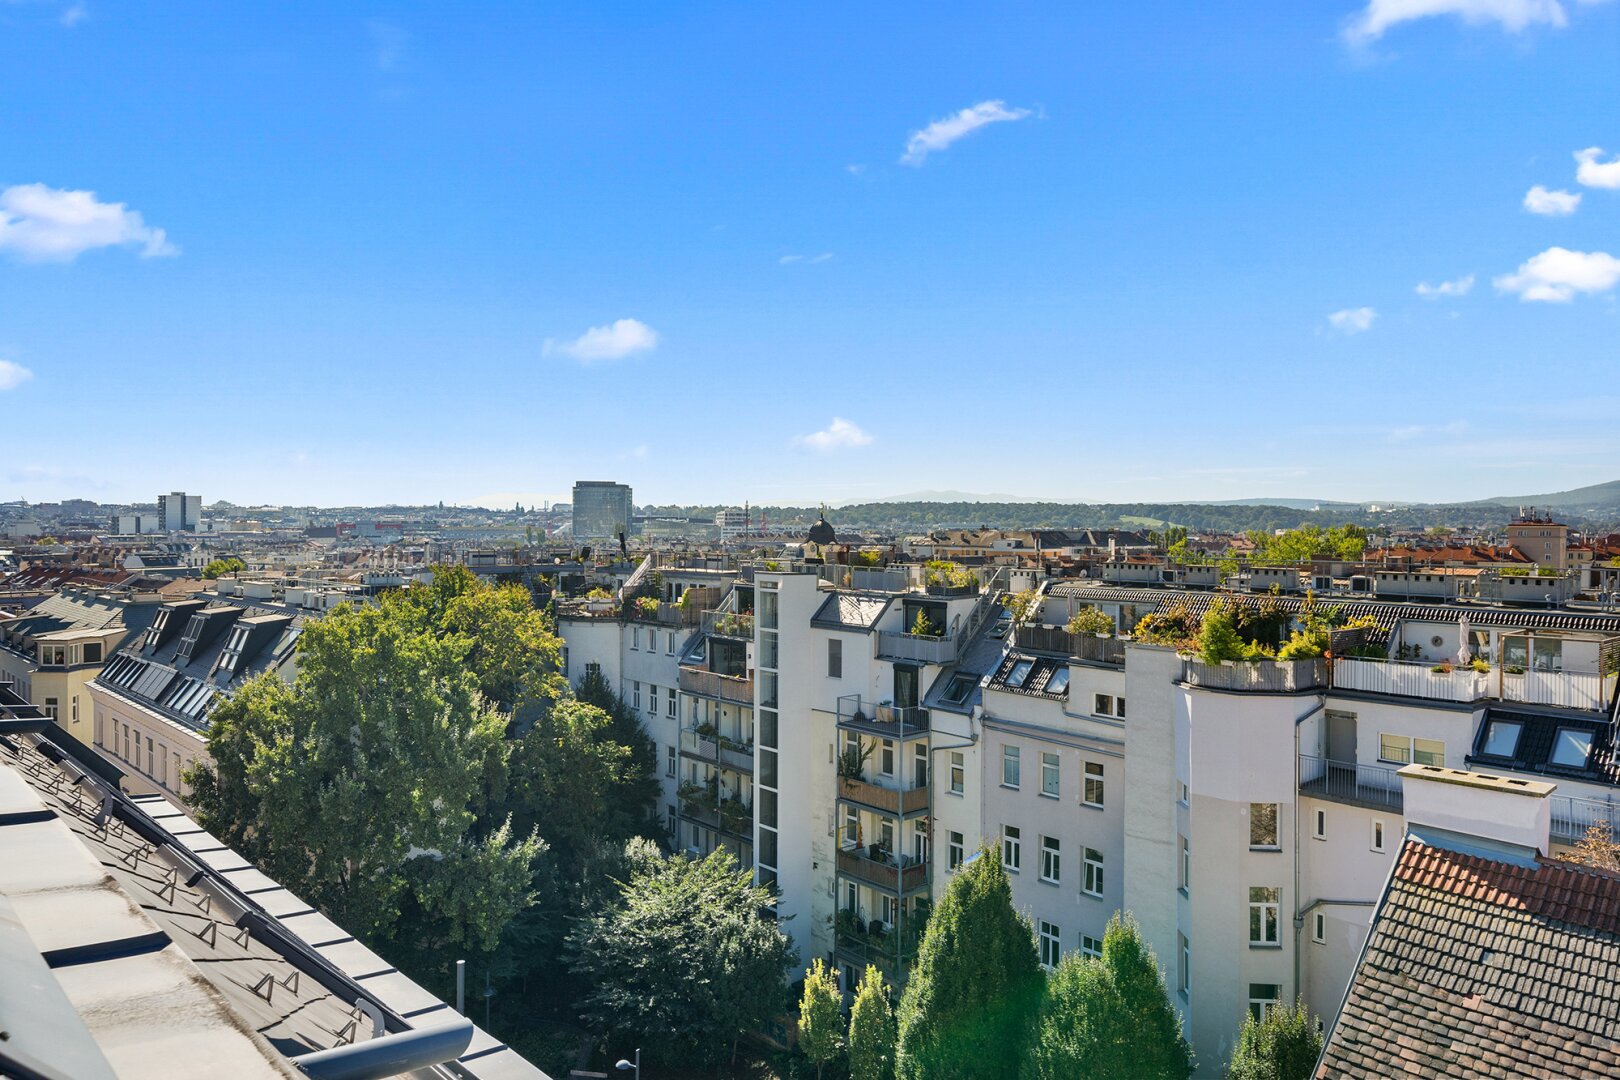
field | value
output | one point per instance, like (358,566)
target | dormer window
(232,653)
(1501,738)
(155,631)
(188,640)
(1020,672)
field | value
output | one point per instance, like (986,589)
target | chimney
(1500,809)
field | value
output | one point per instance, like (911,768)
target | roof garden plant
(1091,620)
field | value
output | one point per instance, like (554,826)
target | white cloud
(838,435)
(942,133)
(1459,287)
(1595,173)
(1538,200)
(1353,320)
(855,170)
(788,260)
(1425,431)
(74,15)
(1557,274)
(13,375)
(614,341)
(388,42)
(45,224)
(1512,15)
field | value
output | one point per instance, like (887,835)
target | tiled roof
(1479,967)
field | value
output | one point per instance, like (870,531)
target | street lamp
(625,1066)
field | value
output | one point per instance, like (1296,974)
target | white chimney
(1504,809)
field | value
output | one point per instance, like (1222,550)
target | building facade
(602,510)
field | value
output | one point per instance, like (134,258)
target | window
(1319,928)
(886,758)
(670,704)
(919,765)
(1262,996)
(1377,835)
(1571,746)
(50,707)
(75,704)
(1020,672)
(669,761)
(126,742)
(1049,775)
(1051,861)
(1319,828)
(149,765)
(652,698)
(1185,874)
(178,779)
(835,658)
(1103,705)
(958,770)
(669,820)
(1263,825)
(635,637)
(1501,738)
(635,696)
(1009,766)
(1058,681)
(1405,751)
(92,652)
(233,648)
(1090,946)
(1119,707)
(1011,847)
(959,688)
(1264,905)
(1051,951)
(1184,968)
(163,765)
(954,851)
(669,643)
(1094,872)
(1094,784)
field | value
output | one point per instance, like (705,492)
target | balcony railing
(885,799)
(1349,781)
(1406,679)
(1264,677)
(893,645)
(718,750)
(1052,639)
(732,817)
(1572,816)
(885,951)
(729,624)
(1564,689)
(711,684)
(901,876)
(885,721)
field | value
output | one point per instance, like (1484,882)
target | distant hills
(1594,498)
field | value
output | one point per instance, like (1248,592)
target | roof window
(1501,738)
(1571,748)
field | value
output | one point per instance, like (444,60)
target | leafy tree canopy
(1283,1045)
(871,1030)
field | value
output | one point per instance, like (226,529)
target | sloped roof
(1482,967)
(851,611)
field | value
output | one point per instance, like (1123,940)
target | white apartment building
(1248,815)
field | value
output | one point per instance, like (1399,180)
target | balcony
(894,645)
(1264,677)
(884,721)
(730,814)
(1407,679)
(715,749)
(729,624)
(887,800)
(1052,639)
(1563,689)
(901,876)
(711,684)
(1573,815)
(883,949)
(1370,786)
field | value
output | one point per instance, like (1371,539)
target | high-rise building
(602,510)
(732,521)
(180,512)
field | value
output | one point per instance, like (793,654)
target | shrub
(1091,621)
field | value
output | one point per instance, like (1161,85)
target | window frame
(1095,777)
(1265,917)
(1377,836)
(1012,848)
(1049,938)
(1011,755)
(955,850)
(835,658)
(1259,842)
(1051,860)
(1093,883)
(958,772)
(1051,775)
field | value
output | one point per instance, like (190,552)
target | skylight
(1571,747)
(959,688)
(1059,682)
(1501,738)
(1019,673)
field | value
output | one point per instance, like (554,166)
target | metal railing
(729,624)
(1052,639)
(1263,677)
(1349,781)
(712,684)
(1408,679)
(893,645)
(718,750)
(886,720)
(1572,815)
(1564,689)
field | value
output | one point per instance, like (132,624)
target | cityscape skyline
(689,258)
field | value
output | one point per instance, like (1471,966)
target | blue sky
(338,254)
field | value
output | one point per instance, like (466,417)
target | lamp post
(625,1066)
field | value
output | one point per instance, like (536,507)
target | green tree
(1284,1045)
(682,959)
(977,980)
(871,1030)
(821,1020)
(1091,620)
(1108,1017)
(1218,638)
(220,567)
